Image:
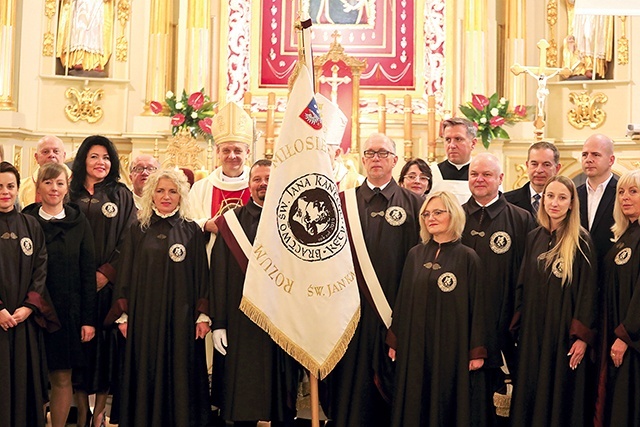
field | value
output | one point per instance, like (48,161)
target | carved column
(198,39)
(474,78)
(7,48)
(515,50)
(160,52)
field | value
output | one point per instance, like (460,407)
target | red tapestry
(380,30)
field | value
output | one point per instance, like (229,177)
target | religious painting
(380,31)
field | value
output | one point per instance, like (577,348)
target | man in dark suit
(597,195)
(543,162)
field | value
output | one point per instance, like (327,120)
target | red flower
(479,101)
(156,107)
(497,121)
(196,100)
(520,110)
(177,120)
(205,125)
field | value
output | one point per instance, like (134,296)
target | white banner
(608,7)
(301,285)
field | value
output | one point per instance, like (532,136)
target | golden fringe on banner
(320,371)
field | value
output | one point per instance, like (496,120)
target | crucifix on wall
(542,74)
(334,81)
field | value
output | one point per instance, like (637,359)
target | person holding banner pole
(254,379)
(377,211)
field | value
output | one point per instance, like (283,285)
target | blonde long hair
(621,222)
(569,233)
(179,179)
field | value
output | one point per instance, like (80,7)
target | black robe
(449,171)
(360,386)
(548,319)
(71,282)
(439,327)
(499,242)
(108,226)
(256,379)
(23,274)
(163,287)
(622,311)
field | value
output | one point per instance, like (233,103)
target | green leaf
(493,100)
(486,138)
(469,112)
(501,133)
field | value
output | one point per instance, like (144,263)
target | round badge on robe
(557,267)
(447,282)
(623,256)
(27,246)
(500,242)
(109,209)
(395,215)
(177,252)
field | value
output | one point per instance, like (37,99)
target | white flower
(179,105)
(483,120)
(169,94)
(503,101)
(494,112)
(194,115)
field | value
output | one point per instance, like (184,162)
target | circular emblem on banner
(395,215)
(500,242)
(177,252)
(109,209)
(557,267)
(309,224)
(623,256)
(27,246)
(447,282)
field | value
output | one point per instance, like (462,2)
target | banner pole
(315,401)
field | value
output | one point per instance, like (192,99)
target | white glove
(220,341)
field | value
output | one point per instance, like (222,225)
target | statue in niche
(573,59)
(341,12)
(85,36)
(592,39)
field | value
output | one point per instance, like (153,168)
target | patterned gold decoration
(183,150)
(47,44)
(586,111)
(623,44)
(17,157)
(124,11)
(122,49)
(552,20)
(522,177)
(49,8)
(84,107)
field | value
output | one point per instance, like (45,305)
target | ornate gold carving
(47,44)
(183,150)
(85,107)
(623,44)
(49,8)
(586,111)
(522,177)
(552,54)
(552,20)
(17,157)
(122,49)
(124,11)
(552,12)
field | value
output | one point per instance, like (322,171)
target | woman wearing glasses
(438,330)
(555,313)
(416,176)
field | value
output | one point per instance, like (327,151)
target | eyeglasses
(437,213)
(382,154)
(140,169)
(414,177)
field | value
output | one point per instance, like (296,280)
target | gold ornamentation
(124,11)
(586,111)
(49,8)
(395,215)
(26,244)
(177,252)
(110,210)
(623,50)
(183,150)
(552,13)
(47,44)
(623,256)
(85,107)
(447,282)
(522,177)
(500,242)
(552,54)
(122,49)
(17,158)
(552,20)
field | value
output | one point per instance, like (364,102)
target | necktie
(376,190)
(536,203)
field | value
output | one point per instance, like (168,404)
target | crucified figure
(542,91)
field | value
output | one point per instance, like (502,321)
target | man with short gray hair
(141,167)
(50,149)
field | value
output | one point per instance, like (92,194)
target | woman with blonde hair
(555,314)
(161,307)
(438,331)
(620,367)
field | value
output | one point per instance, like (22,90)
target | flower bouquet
(193,112)
(490,114)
